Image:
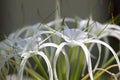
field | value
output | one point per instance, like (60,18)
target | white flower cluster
(30,40)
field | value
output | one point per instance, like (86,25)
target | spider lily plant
(61,53)
(77,37)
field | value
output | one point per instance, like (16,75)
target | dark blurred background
(15,14)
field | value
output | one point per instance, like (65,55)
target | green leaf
(34,74)
(40,66)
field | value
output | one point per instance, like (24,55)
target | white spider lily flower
(99,31)
(38,36)
(27,45)
(8,50)
(30,48)
(76,37)
(96,27)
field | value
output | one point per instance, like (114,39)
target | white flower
(103,30)
(74,34)
(39,36)
(77,37)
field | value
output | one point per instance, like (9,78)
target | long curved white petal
(109,47)
(29,54)
(88,59)
(48,64)
(59,49)
(48,45)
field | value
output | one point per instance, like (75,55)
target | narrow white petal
(109,47)
(88,59)
(29,54)
(113,26)
(48,45)
(22,65)
(67,65)
(105,39)
(66,57)
(113,33)
(59,49)
(99,56)
(48,64)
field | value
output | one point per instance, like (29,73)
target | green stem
(80,66)
(61,67)
(74,57)
(57,15)
(34,74)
